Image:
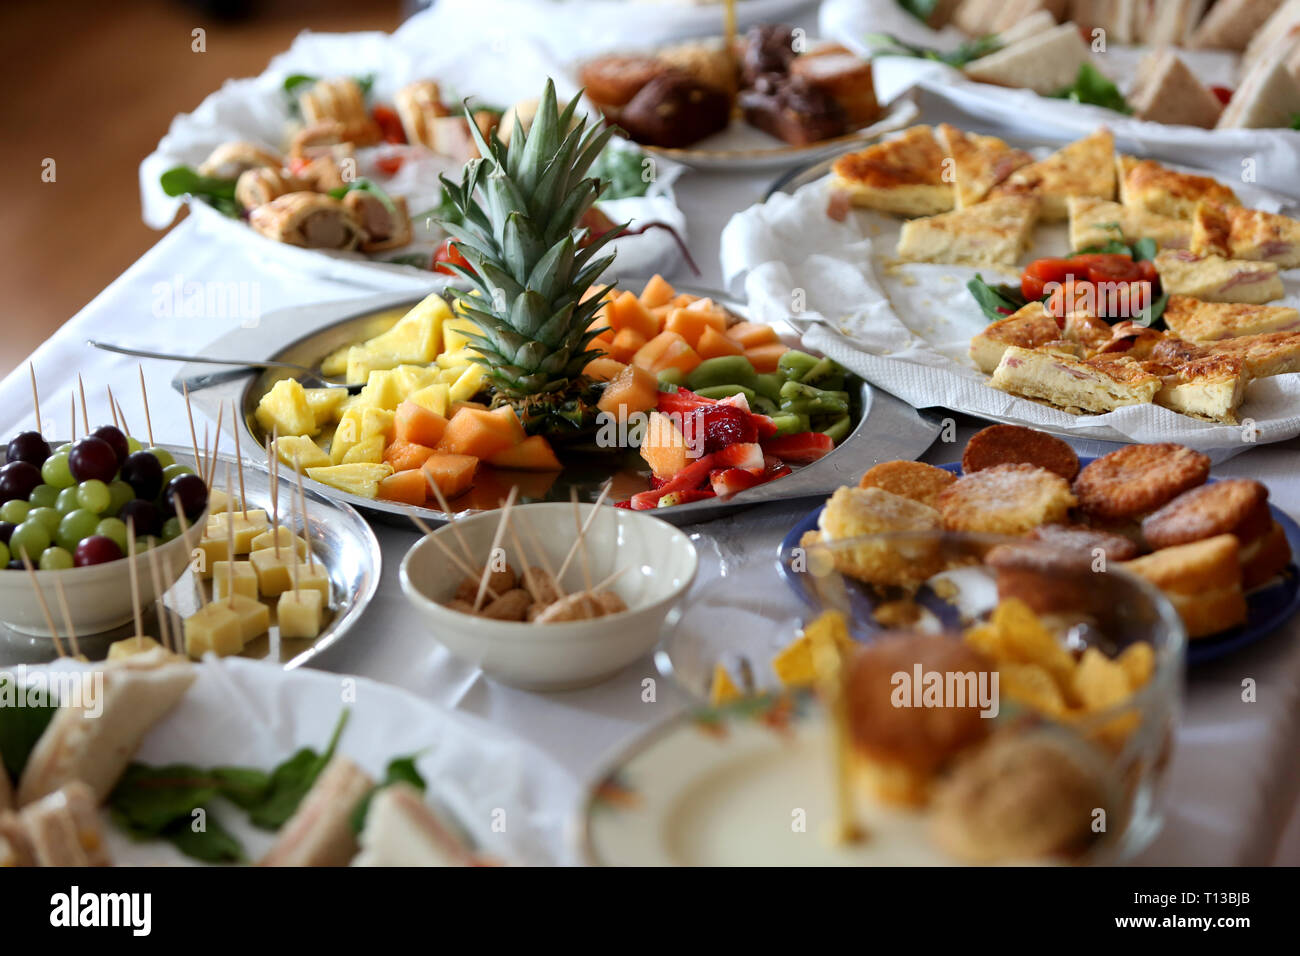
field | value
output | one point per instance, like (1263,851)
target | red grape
(96,549)
(190,492)
(17,479)
(29,447)
(6,531)
(116,440)
(145,517)
(92,457)
(144,473)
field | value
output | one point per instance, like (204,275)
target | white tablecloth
(1235,774)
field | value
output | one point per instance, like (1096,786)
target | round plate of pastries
(1217,550)
(775,98)
(1081,290)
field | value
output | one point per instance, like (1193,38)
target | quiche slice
(1239,233)
(978,162)
(1083,168)
(903,176)
(1078,386)
(1271,353)
(1197,321)
(1145,184)
(1216,279)
(992,233)
(1210,388)
(1094,222)
(1028,328)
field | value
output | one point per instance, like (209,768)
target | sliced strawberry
(691,478)
(766,427)
(644,500)
(728,481)
(740,455)
(801,449)
(685,497)
(775,468)
(736,401)
(657,482)
(683,402)
(624,504)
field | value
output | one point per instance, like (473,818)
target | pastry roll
(341,100)
(257,187)
(329,172)
(418,104)
(64,829)
(310,220)
(383,228)
(229,160)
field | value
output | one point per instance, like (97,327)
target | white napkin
(907,328)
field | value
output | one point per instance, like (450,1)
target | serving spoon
(309,378)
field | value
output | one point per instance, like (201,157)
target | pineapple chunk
(412,378)
(325,403)
(336,363)
(362,360)
(299,448)
(357,478)
(285,407)
(436,398)
(453,333)
(367,450)
(417,335)
(457,359)
(469,384)
(358,424)
(383,390)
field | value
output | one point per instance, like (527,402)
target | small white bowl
(99,595)
(661,563)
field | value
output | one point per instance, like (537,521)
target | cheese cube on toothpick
(285,537)
(244,576)
(247,526)
(273,570)
(299,613)
(254,617)
(131,646)
(213,627)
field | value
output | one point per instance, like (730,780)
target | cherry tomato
(389,165)
(447,252)
(390,125)
(1124,270)
(298,165)
(1223,93)
(1042,271)
(1147,271)
(1072,295)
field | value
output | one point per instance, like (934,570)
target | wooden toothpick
(306,521)
(185,536)
(582,531)
(144,397)
(239,458)
(581,543)
(67,615)
(216,445)
(85,415)
(122,415)
(533,543)
(45,608)
(496,543)
(194,437)
(36,399)
(446,551)
(112,409)
(451,519)
(273,471)
(135,583)
(159,609)
(230,542)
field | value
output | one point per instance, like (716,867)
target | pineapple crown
(519,208)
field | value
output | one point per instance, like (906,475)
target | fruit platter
(671,398)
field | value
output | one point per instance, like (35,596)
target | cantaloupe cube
(511,422)
(404,455)
(751,334)
(625,345)
(408,486)
(603,369)
(368,450)
(690,323)
(714,344)
(531,454)
(415,423)
(764,358)
(469,383)
(664,446)
(453,474)
(667,350)
(436,398)
(300,449)
(478,434)
(602,342)
(457,406)
(634,389)
(657,292)
(627,312)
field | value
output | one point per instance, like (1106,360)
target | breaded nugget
(911,479)
(1233,506)
(1014,444)
(1202,580)
(1137,479)
(856,512)
(1264,557)
(1006,499)
(1047,578)
(899,748)
(1076,538)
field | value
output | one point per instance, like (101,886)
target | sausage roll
(229,160)
(257,187)
(418,104)
(341,100)
(383,228)
(310,220)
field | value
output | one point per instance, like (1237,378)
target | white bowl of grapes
(77,512)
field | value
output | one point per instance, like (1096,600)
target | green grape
(4,554)
(175,471)
(93,495)
(43,496)
(14,511)
(30,537)
(121,493)
(56,472)
(171,529)
(49,517)
(144,544)
(115,529)
(132,445)
(67,501)
(75,526)
(163,455)
(55,559)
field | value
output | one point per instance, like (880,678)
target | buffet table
(1234,778)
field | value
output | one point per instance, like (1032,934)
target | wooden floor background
(94,86)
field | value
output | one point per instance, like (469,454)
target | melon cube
(415,423)
(657,292)
(453,474)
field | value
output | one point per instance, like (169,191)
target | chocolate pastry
(612,81)
(768,48)
(674,110)
(791,110)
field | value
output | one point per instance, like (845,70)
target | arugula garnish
(399,770)
(1094,88)
(20,727)
(921,9)
(886,44)
(219,193)
(624,168)
(996,301)
(1144,249)
(365,185)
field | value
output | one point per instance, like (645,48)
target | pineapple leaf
(554,270)
(521,246)
(529,312)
